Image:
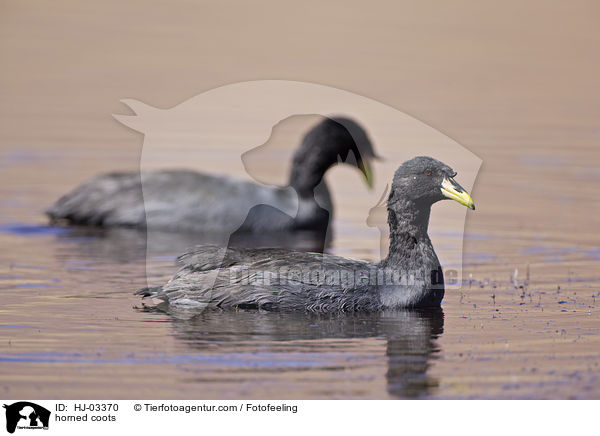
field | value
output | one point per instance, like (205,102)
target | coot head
(423,181)
(332,141)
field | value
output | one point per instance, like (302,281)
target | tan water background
(515,83)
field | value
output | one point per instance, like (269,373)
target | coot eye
(427,172)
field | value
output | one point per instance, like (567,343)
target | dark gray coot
(189,201)
(275,279)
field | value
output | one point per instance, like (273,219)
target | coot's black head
(423,181)
(332,141)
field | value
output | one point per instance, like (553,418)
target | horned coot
(189,201)
(410,275)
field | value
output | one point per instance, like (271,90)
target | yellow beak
(452,190)
(365,167)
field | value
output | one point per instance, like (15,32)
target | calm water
(71,328)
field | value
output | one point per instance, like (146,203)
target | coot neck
(408,221)
(307,173)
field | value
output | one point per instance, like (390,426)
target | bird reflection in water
(124,245)
(410,339)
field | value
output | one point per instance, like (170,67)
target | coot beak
(453,191)
(365,167)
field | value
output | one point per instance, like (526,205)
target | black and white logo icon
(26,415)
